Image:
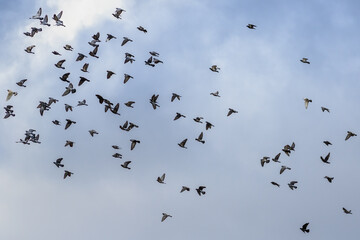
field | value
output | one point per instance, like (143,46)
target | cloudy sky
(260,76)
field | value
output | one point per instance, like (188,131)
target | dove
(29,49)
(68,123)
(117,155)
(65,77)
(208,125)
(10,94)
(275,184)
(37,15)
(214,68)
(200,190)
(165,215)
(80,57)
(115,147)
(326,159)
(45,21)
(149,62)
(304,228)
(56,122)
(69,89)
(182,144)
(21,83)
(125,41)
(323,109)
(133,143)
(231,111)
(82,80)
(304,60)
(69,143)
(200,138)
(161,179)
(175,96)
(178,115)
(307,101)
(349,134)
(60,63)
(347,211)
(96,37)
(56,53)
(327,143)
(276,158)
(153,53)
(58,162)
(109,37)
(129,104)
(85,67)
(68,47)
(283,168)
(81,103)
(67,174)
(126,164)
(330,179)
(215,94)
(93,132)
(127,77)
(198,119)
(264,160)
(68,107)
(118,12)
(292,185)
(184,188)
(109,74)
(142,29)
(251,26)
(94,52)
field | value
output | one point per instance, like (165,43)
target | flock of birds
(152,61)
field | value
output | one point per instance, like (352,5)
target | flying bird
(68,47)
(58,162)
(276,158)
(208,125)
(326,159)
(231,111)
(142,29)
(56,122)
(330,179)
(133,143)
(184,188)
(349,134)
(153,53)
(129,104)
(45,21)
(82,80)
(125,41)
(161,179)
(69,143)
(175,96)
(198,119)
(94,52)
(93,132)
(325,109)
(307,101)
(109,74)
(347,211)
(251,26)
(67,174)
(85,67)
(126,77)
(21,83)
(68,107)
(56,53)
(10,94)
(292,185)
(69,89)
(327,143)
(178,115)
(65,77)
(109,37)
(214,68)
(304,60)
(200,138)
(264,160)
(29,49)
(117,155)
(126,164)
(118,12)
(304,228)
(183,142)
(283,168)
(68,123)
(80,57)
(37,15)
(275,184)
(59,64)
(165,215)
(153,101)
(215,94)
(200,190)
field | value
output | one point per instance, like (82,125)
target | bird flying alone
(304,228)
(307,101)
(165,216)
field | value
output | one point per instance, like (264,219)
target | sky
(260,76)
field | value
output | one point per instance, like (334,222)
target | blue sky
(261,77)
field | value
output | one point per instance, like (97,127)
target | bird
(200,190)
(57,19)
(251,26)
(80,57)
(142,29)
(124,126)
(231,111)
(349,134)
(276,158)
(56,53)
(156,61)
(178,115)
(153,101)
(198,119)
(329,179)
(200,138)
(10,94)
(118,12)
(153,53)
(327,143)
(44,21)
(109,37)
(125,41)
(21,83)
(304,60)
(69,143)
(292,185)
(65,77)
(182,143)
(165,215)
(283,168)
(307,101)
(59,64)
(175,96)
(37,15)
(215,94)
(326,159)
(214,68)
(115,147)
(96,37)
(93,132)
(126,77)
(29,49)
(208,125)
(58,162)
(68,47)
(52,100)
(184,188)
(161,179)
(117,155)
(68,123)
(126,164)
(85,67)
(304,228)
(115,109)
(56,122)
(347,211)
(69,89)
(68,107)
(325,109)
(264,160)
(82,80)
(94,52)
(128,59)
(109,74)
(93,43)
(81,103)
(129,104)
(149,62)
(133,143)
(275,184)
(67,174)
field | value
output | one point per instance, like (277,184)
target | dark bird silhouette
(21,83)
(175,96)
(178,115)
(129,104)
(142,29)
(184,188)
(153,101)
(125,41)
(276,158)
(200,190)
(307,101)
(304,228)
(82,80)
(60,63)
(65,77)
(325,109)
(109,37)
(69,89)
(292,185)
(198,119)
(330,179)
(165,215)
(80,57)
(68,123)
(251,26)
(161,179)
(118,12)
(93,132)
(94,52)
(69,143)
(326,159)
(117,155)
(349,135)
(208,125)
(214,68)
(56,122)
(68,107)
(58,162)
(56,53)
(264,160)
(29,49)
(67,174)
(275,184)
(283,168)
(305,60)
(37,15)
(85,67)
(200,138)
(127,77)
(327,143)
(215,94)
(183,142)
(347,211)
(231,111)
(68,47)
(126,164)
(133,143)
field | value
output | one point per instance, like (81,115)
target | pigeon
(109,74)
(325,109)
(347,211)
(126,77)
(118,12)
(231,111)
(57,19)
(215,94)
(125,41)
(178,115)
(69,89)
(304,60)
(93,132)
(69,143)
(56,122)
(93,43)
(153,53)
(96,37)
(200,190)
(153,101)
(81,103)
(142,29)
(80,57)
(34,30)
(156,61)
(199,138)
(68,107)
(326,159)
(43,107)
(126,164)
(67,174)
(304,228)
(276,158)
(115,109)
(58,162)
(94,52)
(29,49)
(52,100)
(117,155)
(327,143)
(184,188)
(283,168)
(45,21)
(65,77)
(307,101)
(109,37)
(68,123)
(329,179)
(85,67)
(349,134)
(264,160)
(8,111)
(175,96)
(149,62)
(198,119)
(161,179)
(59,64)
(37,15)
(208,125)
(251,26)
(292,185)
(129,104)
(124,126)
(133,143)
(82,80)
(10,94)
(68,47)
(275,184)
(214,68)
(21,83)
(115,147)
(183,142)
(165,215)
(56,53)
(131,126)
